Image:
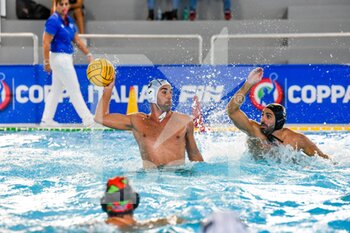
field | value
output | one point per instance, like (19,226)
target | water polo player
(270,129)
(163,136)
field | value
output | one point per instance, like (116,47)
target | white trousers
(64,77)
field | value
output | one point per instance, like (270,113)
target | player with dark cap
(120,201)
(270,129)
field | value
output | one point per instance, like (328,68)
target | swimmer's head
(223,222)
(153,88)
(119,198)
(280,115)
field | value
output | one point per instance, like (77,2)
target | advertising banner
(312,94)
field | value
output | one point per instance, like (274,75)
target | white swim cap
(153,88)
(224,222)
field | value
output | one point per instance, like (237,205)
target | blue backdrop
(311,93)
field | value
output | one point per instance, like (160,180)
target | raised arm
(238,117)
(102,115)
(191,146)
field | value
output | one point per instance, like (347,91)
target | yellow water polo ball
(100,72)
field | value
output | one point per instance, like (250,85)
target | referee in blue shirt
(60,32)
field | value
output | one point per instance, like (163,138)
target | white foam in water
(215,147)
(52,181)
(233,146)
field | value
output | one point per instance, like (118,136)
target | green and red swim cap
(119,198)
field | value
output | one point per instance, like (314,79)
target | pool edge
(213,128)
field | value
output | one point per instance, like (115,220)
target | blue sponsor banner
(312,94)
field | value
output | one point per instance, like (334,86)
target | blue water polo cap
(153,89)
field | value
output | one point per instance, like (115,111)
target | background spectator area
(103,10)
(249,16)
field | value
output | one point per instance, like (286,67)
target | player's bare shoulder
(143,115)
(139,118)
(139,115)
(286,132)
(292,137)
(182,117)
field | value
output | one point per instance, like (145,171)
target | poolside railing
(270,36)
(24,35)
(189,36)
(151,36)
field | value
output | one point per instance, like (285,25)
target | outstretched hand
(255,76)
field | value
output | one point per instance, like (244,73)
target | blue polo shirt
(63,34)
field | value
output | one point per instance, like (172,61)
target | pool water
(53,182)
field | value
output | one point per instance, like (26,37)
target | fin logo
(5,92)
(266,91)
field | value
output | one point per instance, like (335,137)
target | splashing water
(53,181)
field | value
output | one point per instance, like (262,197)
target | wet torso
(161,143)
(262,144)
